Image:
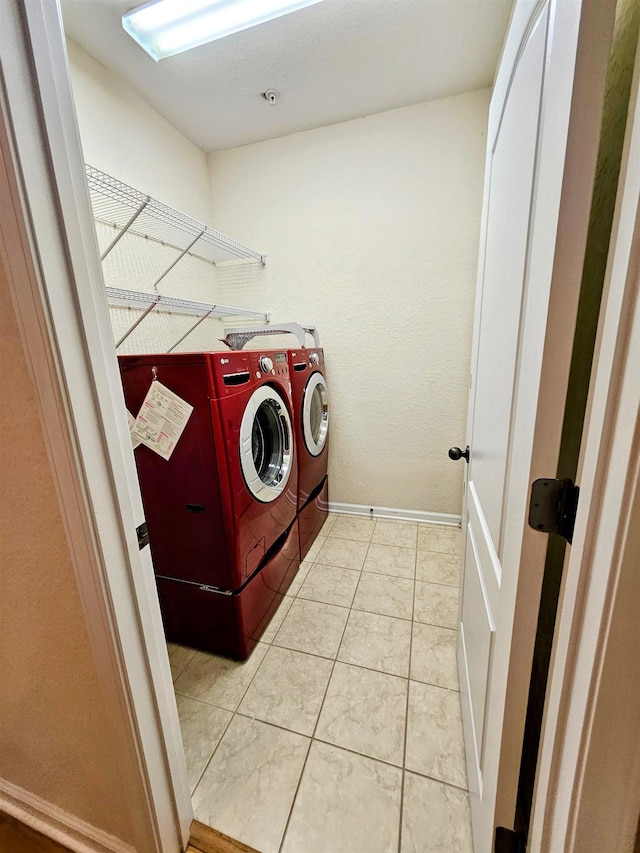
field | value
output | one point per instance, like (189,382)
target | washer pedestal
(312,516)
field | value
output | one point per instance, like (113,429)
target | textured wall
(371,232)
(124,137)
(55,739)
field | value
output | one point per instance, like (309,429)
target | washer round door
(315,414)
(266,444)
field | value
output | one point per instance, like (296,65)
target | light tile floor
(343,731)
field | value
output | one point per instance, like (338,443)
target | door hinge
(553,507)
(508,841)
(143,535)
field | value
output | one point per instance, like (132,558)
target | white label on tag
(161,420)
(135,442)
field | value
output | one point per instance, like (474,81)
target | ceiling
(334,61)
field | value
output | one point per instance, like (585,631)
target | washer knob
(314,359)
(266,365)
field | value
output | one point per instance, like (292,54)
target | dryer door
(266,444)
(315,414)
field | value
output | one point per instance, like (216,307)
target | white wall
(125,137)
(371,233)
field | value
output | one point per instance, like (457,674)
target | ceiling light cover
(166,27)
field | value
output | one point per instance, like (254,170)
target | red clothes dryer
(311,424)
(221,512)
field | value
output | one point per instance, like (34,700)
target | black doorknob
(455,453)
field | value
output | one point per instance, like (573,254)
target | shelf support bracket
(121,234)
(137,322)
(179,258)
(191,328)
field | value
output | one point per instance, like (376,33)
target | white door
(529,153)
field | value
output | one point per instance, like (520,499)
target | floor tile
(179,657)
(365,711)
(332,517)
(446,540)
(218,680)
(391,560)
(276,620)
(313,627)
(355,527)
(377,642)
(330,585)
(385,595)
(312,553)
(296,583)
(288,690)
(402,533)
(436,604)
(434,567)
(433,656)
(344,553)
(346,804)
(201,726)
(435,817)
(248,788)
(435,745)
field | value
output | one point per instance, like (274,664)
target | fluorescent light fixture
(166,27)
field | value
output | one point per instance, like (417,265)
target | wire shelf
(147,302)
(139,299)
(118,204)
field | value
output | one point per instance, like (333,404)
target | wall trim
(49,242)
(398,514)
(57,824)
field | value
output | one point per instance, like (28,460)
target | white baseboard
(397,514)
(57,824)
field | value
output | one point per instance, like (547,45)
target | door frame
(67,339)
(587,794)
(562,190)
(48,238)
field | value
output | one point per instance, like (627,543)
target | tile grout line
(233,713)
(406,713)
(193,654)
(351,751)
(208,761)
(337,660)
(313,738)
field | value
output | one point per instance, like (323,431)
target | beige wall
(371,232)
(125,137)
(55,740)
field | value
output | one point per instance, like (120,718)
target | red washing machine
(221,512)
(311,424)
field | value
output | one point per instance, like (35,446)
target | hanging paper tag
(135,442)
(161,420)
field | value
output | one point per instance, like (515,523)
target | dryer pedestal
(312,516)
(229,623)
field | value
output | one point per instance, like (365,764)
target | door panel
(478,628)
(511,166)
(510,194)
